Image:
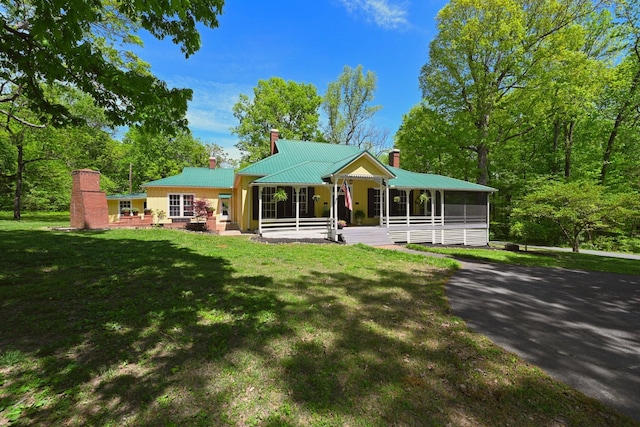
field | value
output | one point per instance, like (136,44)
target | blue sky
(301,40)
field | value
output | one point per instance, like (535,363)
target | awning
(225,196)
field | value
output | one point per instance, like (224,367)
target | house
(309,189)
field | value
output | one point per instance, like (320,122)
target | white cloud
(210,112)
(382,12)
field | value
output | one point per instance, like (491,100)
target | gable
(363,166)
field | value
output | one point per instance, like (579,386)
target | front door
(224,209)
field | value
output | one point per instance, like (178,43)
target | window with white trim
(125,204)
(180,205)
(268,204)
(377,202)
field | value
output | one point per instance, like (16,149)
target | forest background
(539,99)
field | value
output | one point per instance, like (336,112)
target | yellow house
(339,192)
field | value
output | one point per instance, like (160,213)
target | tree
(574,207)
(290,107)
(72,43)
(349,113)
(430,143)
(156,155)
(485,52)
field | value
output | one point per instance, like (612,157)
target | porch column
(380,194)
(297,193)
(334,208)
(407,193)
(386,202)
(488,236)
(442,215)
(260,210)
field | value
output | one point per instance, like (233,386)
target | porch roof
(408,179)
(197,177)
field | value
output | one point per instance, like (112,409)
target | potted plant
(125,211)
(280,195)
(341,223)
(148,211)
(135,211)
(423,198)
(359,216)
(316,198)
(396,199)
(210,211)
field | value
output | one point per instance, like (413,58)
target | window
(125,204)
(374,202)
(268,204)
(180,205)
(401,205)
(302,197)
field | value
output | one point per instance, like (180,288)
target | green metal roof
(307,163)
(197,177)
(291,153)
(308,173)
(131,196)
(409,179)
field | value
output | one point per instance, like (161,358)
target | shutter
(255,203)
(371,202)
(311,205)
(393,206)
(411,205)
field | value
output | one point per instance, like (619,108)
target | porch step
(372,236)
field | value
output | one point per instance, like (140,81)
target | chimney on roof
(274,135)
(394,158)
(212,162)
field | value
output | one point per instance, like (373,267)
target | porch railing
(291,224)
(401,221)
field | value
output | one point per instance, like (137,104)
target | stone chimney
(212,162)
(274,135)
(394,158)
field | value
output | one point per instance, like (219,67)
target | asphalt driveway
(582,328)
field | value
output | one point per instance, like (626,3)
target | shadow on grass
(117,319)
(149,332)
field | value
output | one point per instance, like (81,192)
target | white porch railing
(294,224)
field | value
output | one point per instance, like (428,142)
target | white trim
(181,195)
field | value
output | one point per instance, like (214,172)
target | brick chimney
(88,209)
(394,158)
(274,135)
(212,162)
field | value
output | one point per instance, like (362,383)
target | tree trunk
(616,126)
(568,147)
(483,151)
(556,140)
(18,195)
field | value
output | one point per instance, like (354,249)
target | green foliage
(290,107)
(575,208)
(349,113)
(77,44)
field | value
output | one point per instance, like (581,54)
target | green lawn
(165,327)
(540,258)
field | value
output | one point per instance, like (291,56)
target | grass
(540,258)
(164,327)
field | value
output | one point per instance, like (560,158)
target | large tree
(288,106)
(485,52)
(77,43)
(347,104)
